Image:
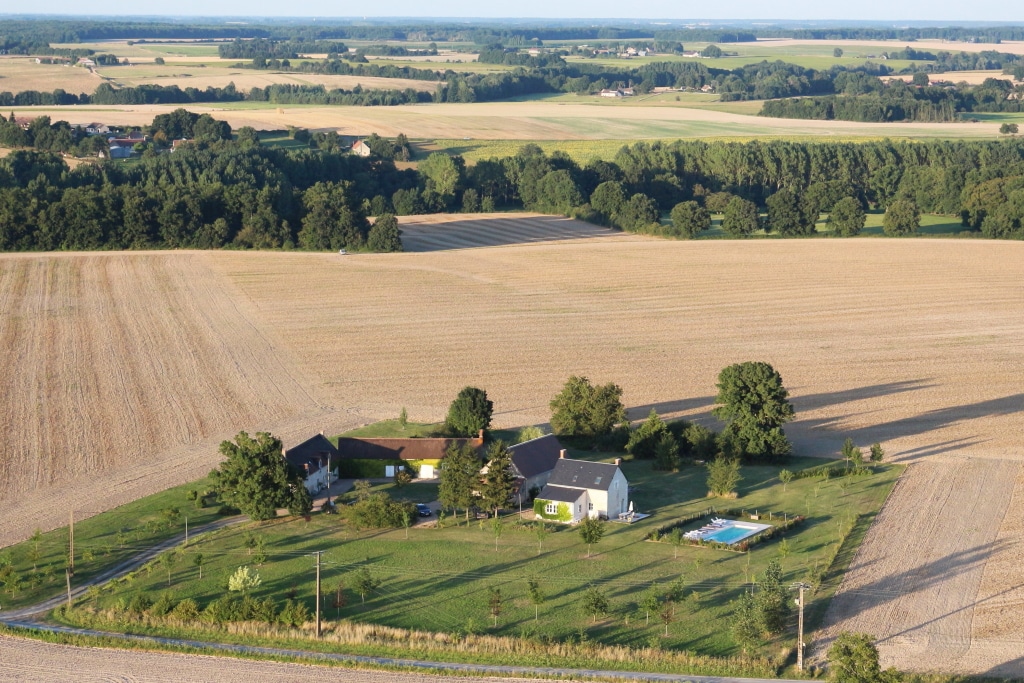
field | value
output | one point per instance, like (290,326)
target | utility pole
(317,553)
(800,626)
(67,574)
(186,530)
(71,548)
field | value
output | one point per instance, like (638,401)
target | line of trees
(219,192)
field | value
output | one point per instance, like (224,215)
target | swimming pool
(734,532)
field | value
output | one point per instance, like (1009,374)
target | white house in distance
(580,488)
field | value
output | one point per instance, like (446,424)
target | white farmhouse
(580,488)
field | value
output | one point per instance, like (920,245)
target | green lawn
(438,579)
(101,542)
(392,428)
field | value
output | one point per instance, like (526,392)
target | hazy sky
(878,10)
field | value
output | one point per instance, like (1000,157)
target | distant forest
(228,190)
(19,35)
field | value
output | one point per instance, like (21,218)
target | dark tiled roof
(398,449)
(560,494)
(536,455)
(583,474)
(311,452)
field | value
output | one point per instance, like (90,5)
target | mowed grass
(101,542)
(439,579)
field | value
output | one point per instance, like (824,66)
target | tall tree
(499,481)
(689,219)
(847,217)
(385,236)
(582,409)
(902,217)
(745,627)
(772,599)
(754,405)
(333,218)
(785,215)
(459,477)
(469,413)
(256,479)
(740,218)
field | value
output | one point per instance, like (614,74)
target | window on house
(598,481)
(590,506)
(551,508)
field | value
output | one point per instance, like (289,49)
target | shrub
(293,614)
(163,605)
(139,604)
(378,511)
(186,610)
(723,477)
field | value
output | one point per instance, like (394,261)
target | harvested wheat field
(532,120)
(1014,47)
(124,371)
(22,73)
(25,661)
(246,79)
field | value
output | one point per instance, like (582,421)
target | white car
(342,252)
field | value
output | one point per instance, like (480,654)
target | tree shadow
(1012,670)
(853,601)
(827,436)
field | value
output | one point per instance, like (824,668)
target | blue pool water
(730,534)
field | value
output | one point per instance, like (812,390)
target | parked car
(423,510)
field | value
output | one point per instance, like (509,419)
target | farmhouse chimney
(618,461)
(561,454)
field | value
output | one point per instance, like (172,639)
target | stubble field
(123,373)
(531,120)
(131,367)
